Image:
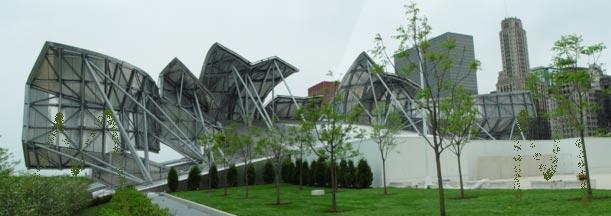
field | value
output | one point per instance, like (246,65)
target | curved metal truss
(498,113)
(184,104)
(81,85)
(362,88)
(113,111)
(239,86)
(284,107)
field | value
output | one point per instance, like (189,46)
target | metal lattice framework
(240,87)
(114,111)
(284,107)
(361,88)
(498,112)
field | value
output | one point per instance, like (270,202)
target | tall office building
(514,51)
(461,56)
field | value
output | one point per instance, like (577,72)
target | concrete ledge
(206,209)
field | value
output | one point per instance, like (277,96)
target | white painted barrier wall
(412,160)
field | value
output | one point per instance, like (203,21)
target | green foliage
(213,176)
(232,176)
(268,172)
(128,201)
(341,173)
(351,175)
(38,195)
(194,178)
(312,173)
(288,169)
(364,175)
(172,180)
(7,164)
(321,177)
(306,173)
(252,174)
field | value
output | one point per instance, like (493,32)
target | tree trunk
(333,185)
(301,168)
(462,190)
(384,176)
(442,204)
(585,161)
(246,177)
(277,183)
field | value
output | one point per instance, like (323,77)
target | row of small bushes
(318,173)
(128,201)
(40,195)
(194,178)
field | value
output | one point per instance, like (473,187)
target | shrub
(341,173)
(321,172)
(268,172)
(128,201)
(172,180)
(287,170)
(312,174)
(364,174)
(232,176)
(295,177)
(252,174)
(351,175)
(213,176)
(306,173)
(38,195)
(194,178)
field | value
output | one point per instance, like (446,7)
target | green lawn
(400,202)
(91,211)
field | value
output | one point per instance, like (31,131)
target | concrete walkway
(178,206)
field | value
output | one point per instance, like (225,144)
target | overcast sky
(315,36)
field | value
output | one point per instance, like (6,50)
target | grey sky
(315,36)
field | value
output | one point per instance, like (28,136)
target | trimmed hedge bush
(321,173)
(342,170)
(351,175)
(232,176)
(38,195)
(128,201)
(288,168)
(213,176)
(252,174)
(172,180)
(268,172)
(194,178)
(364,174)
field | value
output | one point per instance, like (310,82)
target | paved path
(174,206)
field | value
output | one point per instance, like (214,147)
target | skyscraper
(514,52)
(462,56)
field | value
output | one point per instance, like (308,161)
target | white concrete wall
(413,160)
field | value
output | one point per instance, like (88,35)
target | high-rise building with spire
(514,51)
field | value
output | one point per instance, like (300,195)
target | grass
(400,202)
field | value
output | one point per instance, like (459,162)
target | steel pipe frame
(135,101)
(126,138)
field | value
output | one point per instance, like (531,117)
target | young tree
(276,146)
(332,128)
(245,145)
(456,125)
(224,152)
(385,124)
(213,176)
(434,65)
(172,180)
(304,138)
(569,88)
(206,141)
(193,179)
